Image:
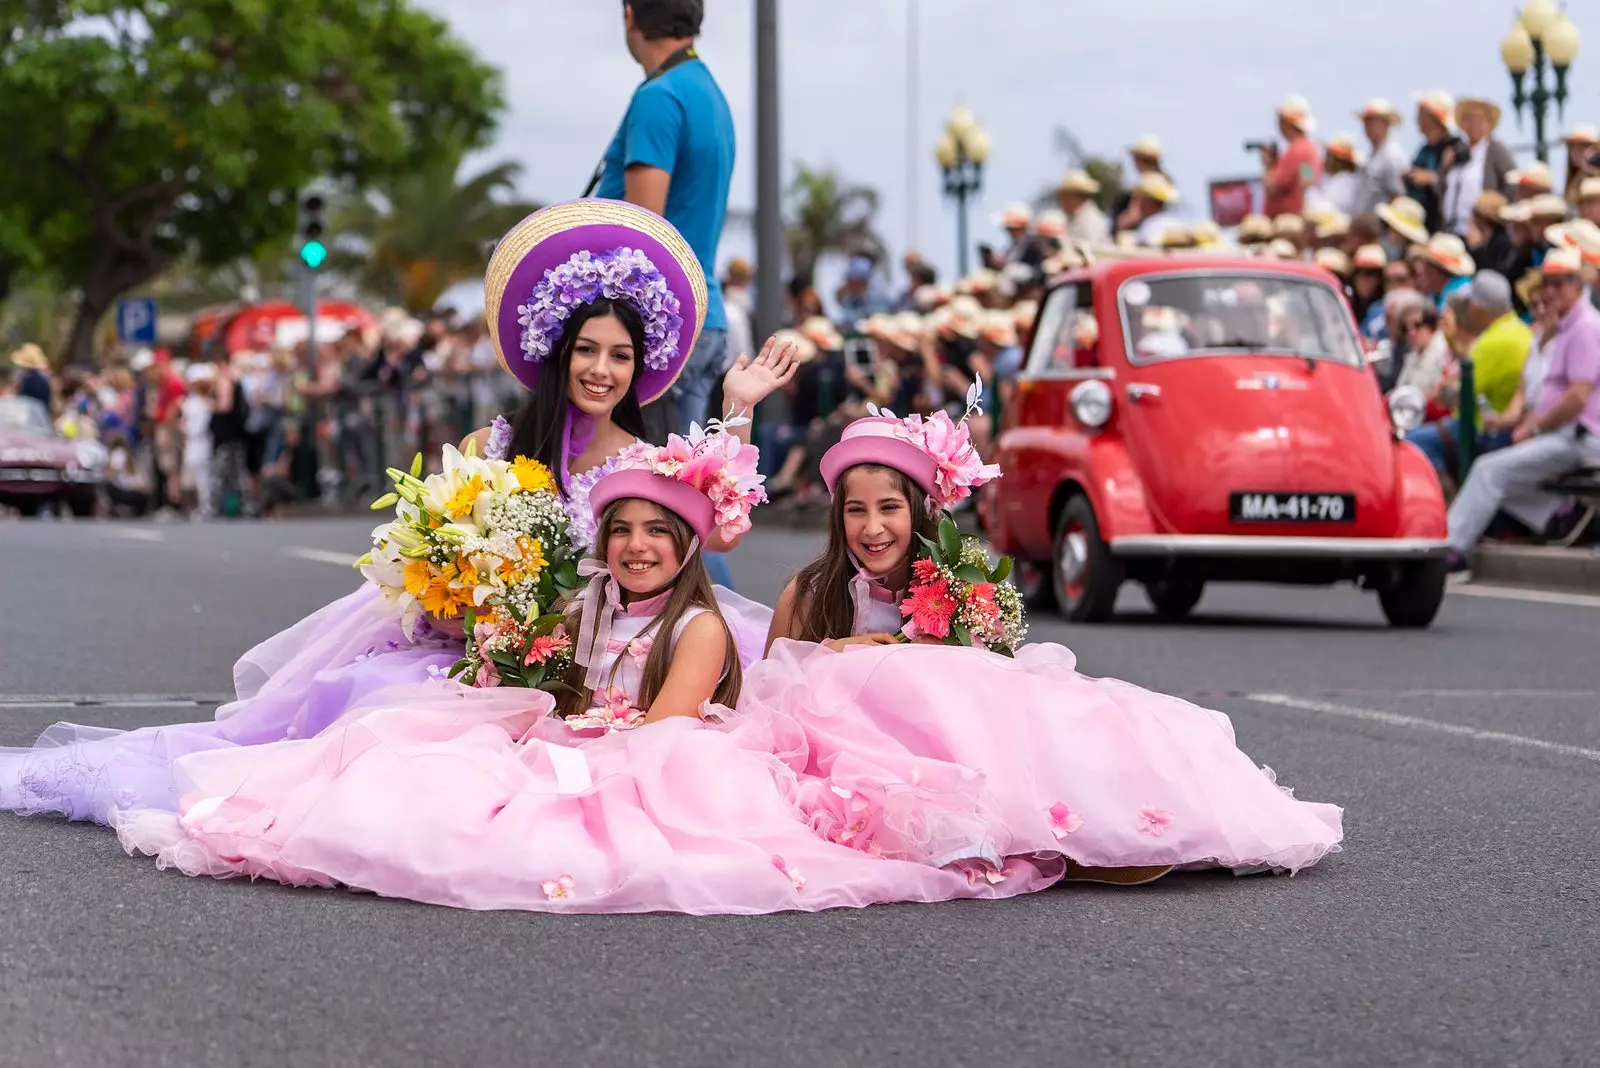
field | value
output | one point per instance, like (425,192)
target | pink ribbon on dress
(864,589)
(598,605)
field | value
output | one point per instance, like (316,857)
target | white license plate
(1251,507)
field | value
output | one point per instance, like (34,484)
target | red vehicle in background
(1187,420)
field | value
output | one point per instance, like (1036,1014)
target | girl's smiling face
(877,519)
(641,553)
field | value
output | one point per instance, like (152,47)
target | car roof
(1115,272)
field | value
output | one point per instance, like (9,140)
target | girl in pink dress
(634,799)
(1115,782)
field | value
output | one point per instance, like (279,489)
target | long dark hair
(823,609)
(691,589)
(538,427)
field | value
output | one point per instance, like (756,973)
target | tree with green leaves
(142,131)
(827,215)
(427,229)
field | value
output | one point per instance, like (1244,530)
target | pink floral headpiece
(934,452)
(709,478)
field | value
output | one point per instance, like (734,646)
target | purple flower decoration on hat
(623,274)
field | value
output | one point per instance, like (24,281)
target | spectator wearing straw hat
(1341,174)
(1583,161)
(1484,169)
(1561,432)
(1406,221)
(1441,151)
(1254,232)
(1146,156)
(1298,167)
(1146,215)
(1488,239)
(1443,267)
(33,375)
(1531,181)
(1085,221)
(1383,175)
(1367,289)
(1588,200)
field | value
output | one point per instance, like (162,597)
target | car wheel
(27,508)
(1413,600)
(1174,597)
(1085,575)
(82,507)
(1032,580)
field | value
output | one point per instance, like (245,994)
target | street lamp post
(1541,31)
(962,151)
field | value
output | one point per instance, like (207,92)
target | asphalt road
(1461,926)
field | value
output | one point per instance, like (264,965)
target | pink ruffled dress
(1023,759)
(480,799)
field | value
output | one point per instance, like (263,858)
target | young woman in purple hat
(594,305)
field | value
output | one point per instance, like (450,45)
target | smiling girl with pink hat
(1016,767)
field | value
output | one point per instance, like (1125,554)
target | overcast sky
(1203,75)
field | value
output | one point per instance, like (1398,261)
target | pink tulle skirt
(479,799)
(935,752)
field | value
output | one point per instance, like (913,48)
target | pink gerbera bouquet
(958,598)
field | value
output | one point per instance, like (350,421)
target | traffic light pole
(310,291)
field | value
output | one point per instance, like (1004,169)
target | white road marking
(110,700)
(320,556)
(1520,593)
(134,533)
(1395,719)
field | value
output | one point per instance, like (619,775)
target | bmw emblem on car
(1269,381)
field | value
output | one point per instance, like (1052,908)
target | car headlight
(91,455)
(1407,408)
(1091,402)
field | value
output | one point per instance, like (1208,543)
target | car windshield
(1177,315)
(24,413)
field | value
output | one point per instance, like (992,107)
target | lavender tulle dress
(293,685)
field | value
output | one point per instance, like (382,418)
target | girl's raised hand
(749,382)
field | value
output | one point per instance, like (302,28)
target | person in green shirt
(1497,357)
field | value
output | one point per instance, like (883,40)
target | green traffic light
(313,254)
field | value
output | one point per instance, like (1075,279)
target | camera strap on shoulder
(683,55)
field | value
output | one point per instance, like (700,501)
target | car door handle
(1138,391)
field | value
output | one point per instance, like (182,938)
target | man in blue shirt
(673,154)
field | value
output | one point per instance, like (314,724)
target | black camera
(1257,146)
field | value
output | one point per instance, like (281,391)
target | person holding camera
(1441,152)
(1298,167)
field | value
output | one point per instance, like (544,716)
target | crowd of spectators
(248,433)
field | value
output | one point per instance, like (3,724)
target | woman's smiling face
(602,365)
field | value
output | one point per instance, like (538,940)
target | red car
(1187,420)
(37,465)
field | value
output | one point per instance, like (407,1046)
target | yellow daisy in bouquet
(482,540)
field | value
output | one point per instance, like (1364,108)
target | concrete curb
(1542,567)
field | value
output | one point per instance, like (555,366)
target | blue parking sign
(136,321)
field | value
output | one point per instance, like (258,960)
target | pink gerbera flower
(931,607)
(923,570)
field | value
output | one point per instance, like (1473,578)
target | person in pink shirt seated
(1298,167)
(1561,431)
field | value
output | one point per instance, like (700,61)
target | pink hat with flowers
(709,479)
(936,453)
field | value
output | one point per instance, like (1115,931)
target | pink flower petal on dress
(558,888)
(1064,821)
(1154,821)
(796,879)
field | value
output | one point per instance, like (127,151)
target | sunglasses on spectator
(1410,325)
